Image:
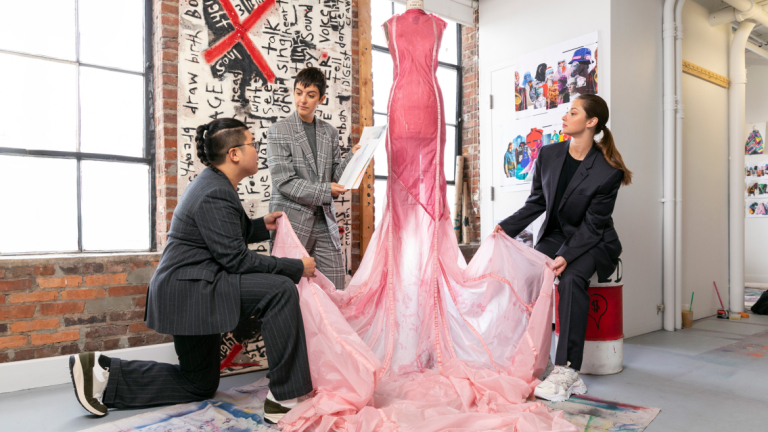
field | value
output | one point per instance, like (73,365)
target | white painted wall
(756,230)
(705,164)
(632,54)
(636,123)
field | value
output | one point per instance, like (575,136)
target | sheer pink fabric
(419,340)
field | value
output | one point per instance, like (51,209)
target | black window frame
(458,67)
(149,134)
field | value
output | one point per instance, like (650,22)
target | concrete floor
(712,377)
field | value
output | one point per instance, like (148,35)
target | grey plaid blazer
(299,186)
(196,288)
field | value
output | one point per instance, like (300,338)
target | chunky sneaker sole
(274,412)
(578,388)
(81,371)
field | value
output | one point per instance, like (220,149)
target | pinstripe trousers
(272,299)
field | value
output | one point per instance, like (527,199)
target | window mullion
(149,129)
(78,134)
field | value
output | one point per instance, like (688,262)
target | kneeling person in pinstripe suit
(305,163)
(206,282)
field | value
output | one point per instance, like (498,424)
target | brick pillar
(355,136)
(471,124)
(165,43)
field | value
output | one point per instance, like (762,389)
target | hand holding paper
(362,155)
(337,189)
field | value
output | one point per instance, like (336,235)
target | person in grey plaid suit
(305,163)
(206,282)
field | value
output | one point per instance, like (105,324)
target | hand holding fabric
(558,266)
(309,267)
(270,220)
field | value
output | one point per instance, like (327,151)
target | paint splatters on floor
(590,414)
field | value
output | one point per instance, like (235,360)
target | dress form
(410,4)
(414,4)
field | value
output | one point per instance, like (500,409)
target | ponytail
(213,140)
(612,155)
(595,106)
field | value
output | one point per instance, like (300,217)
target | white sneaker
(89,380)
(547,370)
(560,385)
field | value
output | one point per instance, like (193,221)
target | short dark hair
(311,76)
(216,138)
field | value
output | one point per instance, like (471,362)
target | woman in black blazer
(575,184)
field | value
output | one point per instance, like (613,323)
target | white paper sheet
(370,139)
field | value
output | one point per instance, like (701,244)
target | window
(449,75)
(76,142)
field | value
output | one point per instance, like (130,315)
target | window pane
(41,198)
(449,44)
(450,153)
(450,199)
(39,104)
(383,72)
(447,80)
(42,27)
(115,200)
(379,199)
(381,10)
(380,166)
(120,129)
(112,33)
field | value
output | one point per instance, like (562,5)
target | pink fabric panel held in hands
(419,340)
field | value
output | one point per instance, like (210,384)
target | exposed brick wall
(471,124)
(165,42)
(64,306)
(59,306)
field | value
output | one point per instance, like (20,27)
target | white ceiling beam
(461,11)
(757,50)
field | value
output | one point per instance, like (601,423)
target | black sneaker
(273,411)
(90,381)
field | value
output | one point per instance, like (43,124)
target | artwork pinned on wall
(551,78)
(238,58)
(524,139)
(755,139)
(756,171)
(757,188)
(757,208)
(546,83)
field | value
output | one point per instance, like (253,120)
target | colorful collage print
(756,172)
(556,82)
(546,82)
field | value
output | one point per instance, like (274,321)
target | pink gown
(419,340)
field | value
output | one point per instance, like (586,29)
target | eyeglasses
(254,144)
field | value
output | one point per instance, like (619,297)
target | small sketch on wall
(757,208)
(754,144)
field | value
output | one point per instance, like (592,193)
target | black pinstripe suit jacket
(196,288)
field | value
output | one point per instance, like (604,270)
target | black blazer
(585,209)
(196,288)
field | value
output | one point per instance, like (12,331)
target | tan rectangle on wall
(705,74)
